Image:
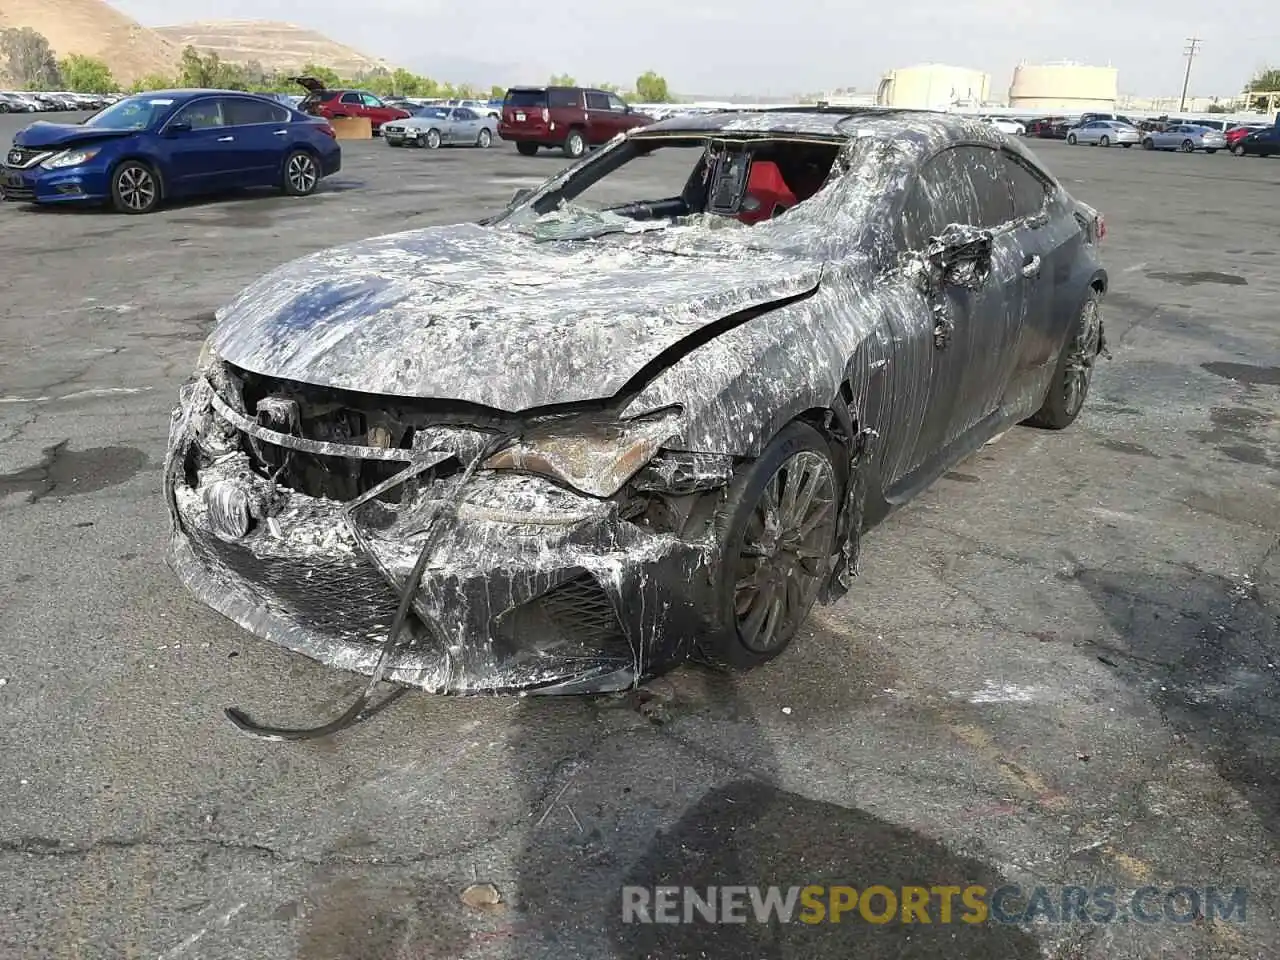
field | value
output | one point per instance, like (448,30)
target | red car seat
(767,193)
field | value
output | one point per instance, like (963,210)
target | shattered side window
(1029,191)
(943,194)
(644,182)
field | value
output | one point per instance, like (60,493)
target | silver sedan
(1103,133)
(442,126)
(1187,137)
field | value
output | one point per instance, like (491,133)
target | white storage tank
(932,86)
(1064,86)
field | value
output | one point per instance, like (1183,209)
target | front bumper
(529,587)
(69,185)
(403,136)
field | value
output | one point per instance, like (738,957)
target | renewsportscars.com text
(970,904)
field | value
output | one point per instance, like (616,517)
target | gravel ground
(1058,667)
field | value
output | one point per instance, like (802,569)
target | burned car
(562,449)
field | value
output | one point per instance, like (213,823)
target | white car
(1012,127)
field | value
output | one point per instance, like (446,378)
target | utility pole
(1193,47)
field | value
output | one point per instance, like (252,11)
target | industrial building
(1064,86)
(933,86)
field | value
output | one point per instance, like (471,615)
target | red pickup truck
(571,118)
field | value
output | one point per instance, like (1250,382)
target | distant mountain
(275,45)
(93,28)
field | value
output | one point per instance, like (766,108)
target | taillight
(327,130)
(1102,227)
(546,115)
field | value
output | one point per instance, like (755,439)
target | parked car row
(28,101)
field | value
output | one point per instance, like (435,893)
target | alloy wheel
(785,551)
(137,187)
(302,173)
(1081,356)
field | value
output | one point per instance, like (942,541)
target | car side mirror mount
(960,256)
(179,127)
(520,194)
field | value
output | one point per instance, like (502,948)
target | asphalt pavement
(1058,666)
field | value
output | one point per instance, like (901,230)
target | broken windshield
(640,185)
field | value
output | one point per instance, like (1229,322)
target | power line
(1193,47)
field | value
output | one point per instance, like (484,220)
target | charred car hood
(489,316)
(42,134)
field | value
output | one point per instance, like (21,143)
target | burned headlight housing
(679,473)
(596,455)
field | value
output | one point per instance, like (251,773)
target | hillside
(95,29)
(276,45)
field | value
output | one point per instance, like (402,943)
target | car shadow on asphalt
(1206,649)
(740,828)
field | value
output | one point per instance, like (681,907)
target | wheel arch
(153,164)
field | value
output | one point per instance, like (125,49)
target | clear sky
(777,47)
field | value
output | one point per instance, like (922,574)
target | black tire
(301,174)
(575,144)
(1211,150)
(1148,144)
(1126,145)
(135,188)
(1238,150)
(484,139)
(4,107)
(1188,146)
(432,140)
(1071,377)
(1104,141)
(526,149)
(1071,139)
(795,563)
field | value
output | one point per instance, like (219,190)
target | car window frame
(904,235)
(357,102)
(597,95)
(1046,185)
(616,103)
(286,115)
(176,115)
(377,102)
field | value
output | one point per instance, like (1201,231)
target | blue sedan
(171,143)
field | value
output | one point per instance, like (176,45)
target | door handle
(1032,267)
(225,139)
(279,133)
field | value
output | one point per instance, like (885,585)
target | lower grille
(581,610)
(20,194)
(574,620)
(347,599)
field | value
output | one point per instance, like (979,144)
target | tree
(1264,82)
(561,80)
(208,70)
(327,77)
(406,84)
(154,81)
(651,88)
(28,59)
(86,75)
(496,92)
(609,87)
